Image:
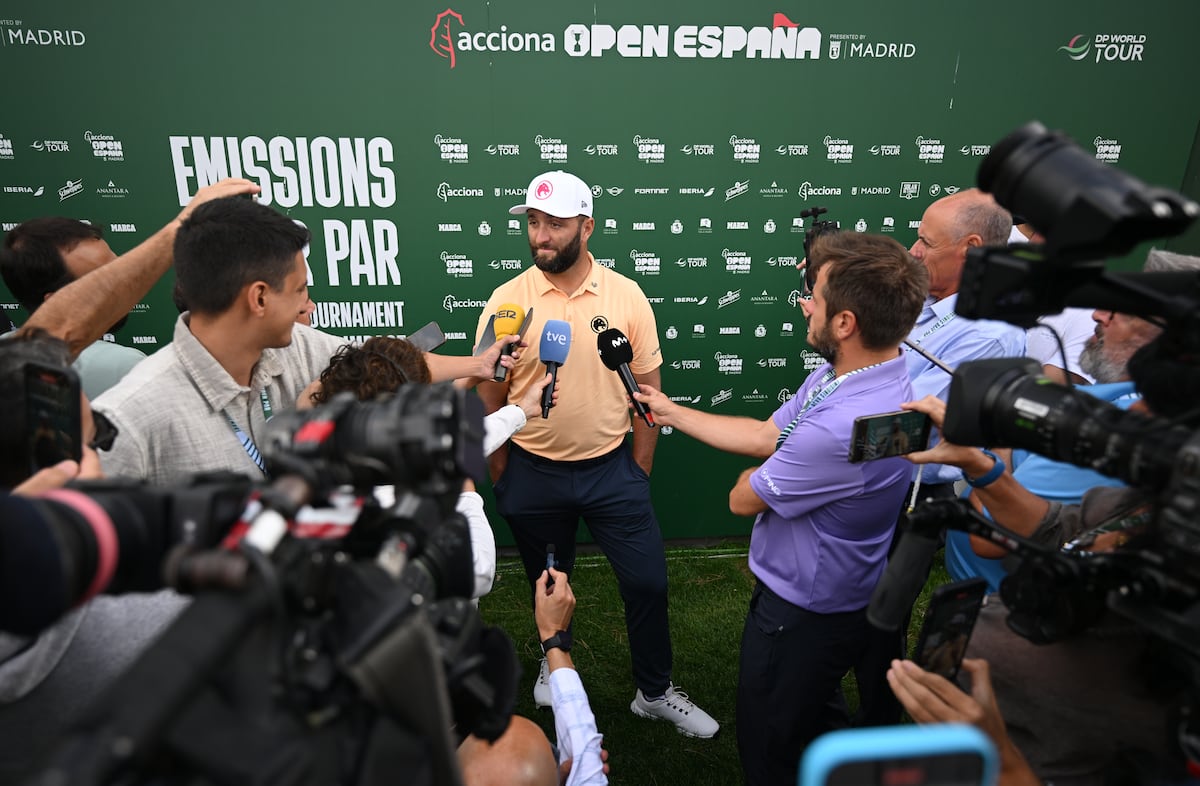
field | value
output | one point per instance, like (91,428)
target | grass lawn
(710,589)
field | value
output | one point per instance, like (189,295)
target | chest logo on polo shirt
(599,324)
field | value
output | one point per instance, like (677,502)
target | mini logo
(445,192)
(951,189)
(930,151)
(452,149)
(51,146)
(698,150)
(647,263)
(736,261)
(910,190)
(728,364)
(772,191)
(551,149)
(72,188)
(738,188)
(676,227)
(484,229)
(808,190)
(650,150)
(840,151)
(112,191)
(769,226)
(730,297)
(745,150)
(104,146)
(1078,47)
(615,191)
(450,302)
(1108,150)
(458,265)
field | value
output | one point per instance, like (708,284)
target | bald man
(521,757)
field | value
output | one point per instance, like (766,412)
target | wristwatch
(989,477)
(562,640)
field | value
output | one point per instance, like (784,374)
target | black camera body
(329,639)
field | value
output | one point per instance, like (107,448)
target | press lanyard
(941,323)
(244,438)
(829,383)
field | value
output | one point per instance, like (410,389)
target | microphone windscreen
(556,342)
(614,348)
(508,320)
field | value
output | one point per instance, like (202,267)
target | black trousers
(789,682)
(543,500)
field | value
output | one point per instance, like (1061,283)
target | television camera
(328,640)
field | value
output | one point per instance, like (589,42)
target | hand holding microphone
(615,353)
(556,342)
(509,321)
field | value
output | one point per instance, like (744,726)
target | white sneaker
(677,708)
(541,688)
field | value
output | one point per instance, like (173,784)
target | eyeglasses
(106,432)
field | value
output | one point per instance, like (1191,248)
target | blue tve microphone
(556,342)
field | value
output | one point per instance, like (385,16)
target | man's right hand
(660,405)
(230,186)
(553,607)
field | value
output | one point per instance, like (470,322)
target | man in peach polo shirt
(577,463)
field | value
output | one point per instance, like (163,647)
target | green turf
(709,590)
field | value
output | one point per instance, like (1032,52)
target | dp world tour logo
(1077,48)
(441,35)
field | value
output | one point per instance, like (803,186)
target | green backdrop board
(400,133)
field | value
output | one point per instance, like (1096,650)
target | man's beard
(824,344)
(563,260)
(1098,365)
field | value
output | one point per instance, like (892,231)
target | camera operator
(47,680)
(1091,705)
(379,367)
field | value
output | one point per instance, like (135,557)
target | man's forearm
(83,310)
(732,434)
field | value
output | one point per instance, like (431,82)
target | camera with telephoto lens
(329,639)
(1086,210)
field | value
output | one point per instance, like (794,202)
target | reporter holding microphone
(575,462)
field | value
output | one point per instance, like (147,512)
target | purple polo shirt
(822,543)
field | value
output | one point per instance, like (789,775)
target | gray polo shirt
(171,410)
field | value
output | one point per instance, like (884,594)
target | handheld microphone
(508,322)
(556,342)
(615,353)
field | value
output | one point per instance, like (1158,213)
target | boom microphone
(615,353)
(556,342)
(509,319)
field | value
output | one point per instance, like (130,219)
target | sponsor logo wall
(704,132)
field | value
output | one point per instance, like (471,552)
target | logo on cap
(544,189)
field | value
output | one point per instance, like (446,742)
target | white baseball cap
(557,193)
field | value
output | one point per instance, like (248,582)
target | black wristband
(562,640)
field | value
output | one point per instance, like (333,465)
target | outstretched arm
(83,310)
(744,436)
